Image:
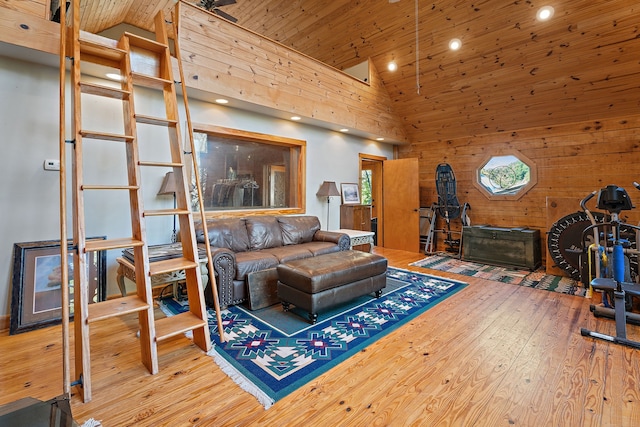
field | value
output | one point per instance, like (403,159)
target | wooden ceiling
(511,73)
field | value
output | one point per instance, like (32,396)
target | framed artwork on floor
(36,298)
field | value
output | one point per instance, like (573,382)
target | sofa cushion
(264,232)
(230,233)
(298,229)
(320,248)
(252,261)
(289,253)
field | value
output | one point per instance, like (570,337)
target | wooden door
(401,204)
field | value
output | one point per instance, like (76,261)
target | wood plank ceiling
(512,72)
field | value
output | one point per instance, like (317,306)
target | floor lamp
(328,189)
(169,187)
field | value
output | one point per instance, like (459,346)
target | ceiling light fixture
(392,66)
(380,139)
(295,118)
(222,101)
(344,130)
(455,44)
(545,13)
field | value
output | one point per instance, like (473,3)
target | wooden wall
(228,60)
(39,8)
(571,160)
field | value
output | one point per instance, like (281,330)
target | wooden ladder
(141,63)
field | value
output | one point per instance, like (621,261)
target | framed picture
(36,298)
(350,194)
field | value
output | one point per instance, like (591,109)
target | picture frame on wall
(36,300)
(350,193)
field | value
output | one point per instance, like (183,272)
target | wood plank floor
(494,354)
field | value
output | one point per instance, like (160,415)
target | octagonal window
(507,176)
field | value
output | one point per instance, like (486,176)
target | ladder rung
(168,327)
(106,91)
(162,164)
(161,212)
(106,136)
(101,245)
(100,52)
(145,43)
(158,121)
(150,81)
(171,264)
(116,307)
(110,187)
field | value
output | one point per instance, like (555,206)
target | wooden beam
(226,59)
(26,30)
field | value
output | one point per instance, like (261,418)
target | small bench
(315,284)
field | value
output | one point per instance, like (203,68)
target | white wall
(29,199)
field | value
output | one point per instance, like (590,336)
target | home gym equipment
(614,199)
(568,244)
(448,207)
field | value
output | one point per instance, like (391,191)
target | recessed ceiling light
(455,44)
(392,66)
(545,13)
(296,118)
(222,101)
(114,76)
(344,130)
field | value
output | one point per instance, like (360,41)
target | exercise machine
(448,207)
(614,199)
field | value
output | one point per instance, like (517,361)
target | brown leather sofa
(243,247)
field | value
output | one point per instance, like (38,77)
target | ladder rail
(81,335)
(146,321)
(64,268)
(195,291)
(212,278)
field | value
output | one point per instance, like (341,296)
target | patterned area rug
(537,279)
(271,353)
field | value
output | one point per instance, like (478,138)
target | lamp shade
(328,189)
(168,185)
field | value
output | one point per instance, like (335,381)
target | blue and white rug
(270,353)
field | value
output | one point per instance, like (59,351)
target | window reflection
(246,171)
(506,176)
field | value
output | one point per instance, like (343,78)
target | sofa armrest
(224,266)
(340,239)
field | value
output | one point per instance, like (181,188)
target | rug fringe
(240,379)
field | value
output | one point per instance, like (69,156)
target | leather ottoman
(315,284)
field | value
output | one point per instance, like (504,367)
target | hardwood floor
(494,354)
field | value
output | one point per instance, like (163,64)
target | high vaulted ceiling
(512,72)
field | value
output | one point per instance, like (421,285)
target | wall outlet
(52,165)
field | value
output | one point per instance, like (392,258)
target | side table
(359,237)
(126,268)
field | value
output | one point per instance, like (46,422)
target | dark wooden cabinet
(355,217)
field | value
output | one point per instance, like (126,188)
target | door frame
(376,188)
